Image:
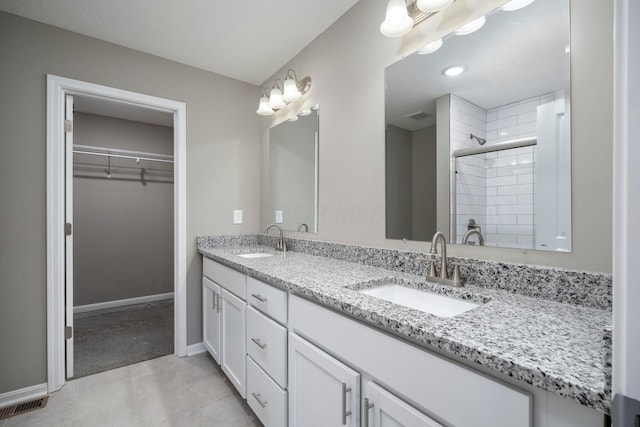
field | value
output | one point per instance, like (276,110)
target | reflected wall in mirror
(486,153)
(293,174)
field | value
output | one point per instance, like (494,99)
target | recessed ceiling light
(471,27)
(456,70)
(516,4)
(430,47)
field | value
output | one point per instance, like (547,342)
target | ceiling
(121,110)
(247,40)
(515,56)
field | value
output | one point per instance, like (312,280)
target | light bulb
(397,21)
(456,70)
(471,27)
(430,47)
(263,107)
(515,5)
(433,5)
(291,92)
(275,99)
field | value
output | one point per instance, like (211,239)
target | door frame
(57,89)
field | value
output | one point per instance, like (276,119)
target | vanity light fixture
(430,47)
(471,27)
(397,21)
(516,4)
(305,112)
(275,97)
(281,93)
(453,71)
(293,118)
(433,5)
(400,19)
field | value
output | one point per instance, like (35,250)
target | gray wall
(347,65)
(398,183)
(423,174)
(222,168)
(123,228)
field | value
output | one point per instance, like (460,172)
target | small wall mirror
(293,174)
(485,152)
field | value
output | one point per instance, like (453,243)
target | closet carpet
(115,337)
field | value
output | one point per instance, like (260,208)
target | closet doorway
(108,173)
(122,191)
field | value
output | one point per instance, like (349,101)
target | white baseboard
(194,349)
(122,302)
(23,394)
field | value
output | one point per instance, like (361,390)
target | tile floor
(167,391)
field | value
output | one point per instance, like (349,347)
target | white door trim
(57,88)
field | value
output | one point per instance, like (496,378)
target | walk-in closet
(123,237)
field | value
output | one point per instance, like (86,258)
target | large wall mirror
(293,174)
(483,152)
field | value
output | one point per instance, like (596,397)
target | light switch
(278,217)
(237,217)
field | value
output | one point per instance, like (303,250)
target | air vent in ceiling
(418,116)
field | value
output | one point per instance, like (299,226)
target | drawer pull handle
(259,343)
(258,397)
(217,303)
(345,413)
(259,297)
(367,406)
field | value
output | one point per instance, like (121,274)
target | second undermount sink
(418,299)
(255,255)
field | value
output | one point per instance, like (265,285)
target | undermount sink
(418,299)
(255,255)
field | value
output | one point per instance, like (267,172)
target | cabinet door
(323,392)
(233,336)
(211,318)
(382,409)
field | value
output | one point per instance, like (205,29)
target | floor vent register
(21,408)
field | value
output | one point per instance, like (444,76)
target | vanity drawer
(268,401)
(267,345)
(268,299)
(228,278)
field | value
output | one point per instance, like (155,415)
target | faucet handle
(456,271)
(432,267)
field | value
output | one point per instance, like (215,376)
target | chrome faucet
(465,238)
(443,278)
(281,245)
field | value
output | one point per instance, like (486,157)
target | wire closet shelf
(103,160)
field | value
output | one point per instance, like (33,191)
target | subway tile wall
(496,189)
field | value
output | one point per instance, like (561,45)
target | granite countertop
(555,346)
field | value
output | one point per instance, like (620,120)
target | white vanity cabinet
(233,339)
(383,409)
(323,391)
(266,342)
(223,319)
(211,318)
(444,390)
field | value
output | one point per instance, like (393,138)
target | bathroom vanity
(302,342)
